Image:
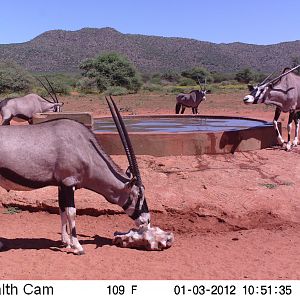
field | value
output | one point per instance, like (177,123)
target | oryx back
(53,153)
(25,107)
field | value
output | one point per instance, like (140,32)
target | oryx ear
(131,183)
(250,87)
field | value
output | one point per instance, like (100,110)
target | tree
(245,76)
(198,73)
(111,69)
(171,76)
(14,78)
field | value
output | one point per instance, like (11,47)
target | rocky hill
(62,51)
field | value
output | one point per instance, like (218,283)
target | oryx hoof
(288,147)
(67,246)
(79,252)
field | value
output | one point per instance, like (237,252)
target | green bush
(150,87)
(111,69)
(245,76)
(171,76)
(155,79)
(186,81)
(175,89)
(222,77)
(116,91)
(198,74)
(58,86)
(86,85)
(13,78)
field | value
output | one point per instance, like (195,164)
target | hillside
(62,51)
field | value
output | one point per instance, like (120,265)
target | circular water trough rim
(263,124)
(191,143)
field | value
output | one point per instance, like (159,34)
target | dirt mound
(191,222)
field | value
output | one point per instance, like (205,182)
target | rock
(152,238)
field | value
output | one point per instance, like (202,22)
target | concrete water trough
(164,135)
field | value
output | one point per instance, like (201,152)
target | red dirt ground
(234,216)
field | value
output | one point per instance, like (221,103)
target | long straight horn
(135,168)
(265,80)
(283,74)
(121,133)
(52,89)
(41,82)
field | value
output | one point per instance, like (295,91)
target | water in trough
(179,124)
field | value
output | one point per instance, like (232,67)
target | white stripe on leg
(64,229)
(295,141)
(289,129)
(71,214)
(279,137)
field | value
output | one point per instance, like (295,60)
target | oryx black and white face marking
(136,206)
(282,91)
(256,94)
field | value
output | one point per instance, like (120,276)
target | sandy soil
(234,216)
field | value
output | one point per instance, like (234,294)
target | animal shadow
(54,245)
(233,139)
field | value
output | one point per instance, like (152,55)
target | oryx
(66,154)
(192,99)
(283,92)
(25,107)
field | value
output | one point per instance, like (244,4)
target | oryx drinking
(283,92)
(66,154)
(25,107)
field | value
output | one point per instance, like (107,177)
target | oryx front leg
(64,220)
(275,123)
(71,215)
(64,229)
(289,129)
(297,123)
(67,206)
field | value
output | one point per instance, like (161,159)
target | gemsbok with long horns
(192,99)
(25,107)
(283,92)
(66,154)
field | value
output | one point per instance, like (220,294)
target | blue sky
(255,22)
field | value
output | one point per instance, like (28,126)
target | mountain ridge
(62,51)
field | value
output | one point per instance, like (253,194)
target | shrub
(111,69)
(155,79)
(86,85)
(152,87)
(198,73)
(171,76)
(245,75)
(14,78)
(175,89)
(116,91)
(186,81)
